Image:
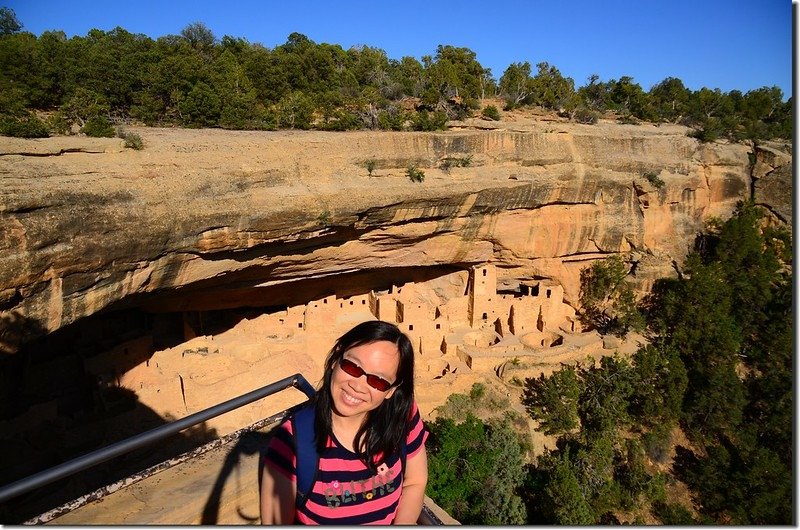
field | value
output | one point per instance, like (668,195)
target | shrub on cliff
(415,174)
(653,178)
(707,131)
(491,113)
(424,121)
(586,116)
(98,127)
(27,127)
(132,140)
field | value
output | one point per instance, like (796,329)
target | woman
(371,441)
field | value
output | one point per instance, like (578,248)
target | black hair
(384,427)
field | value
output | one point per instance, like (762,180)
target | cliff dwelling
(125,371)
(179,362)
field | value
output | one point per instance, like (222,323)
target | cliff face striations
(208,219)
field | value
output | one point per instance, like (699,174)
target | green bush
(673,514)
(491,112)
(201,107)
(653,178)
(452,161)
(28,127)
(325,218)
(342,120)
(392,119)
(133,141)
(98,127)
(477,391)
(58,123)
(475,471)
(708,130)
(472,103)
(628,119)
(295,110)
(586,116)
(423,121)
(370,165)
(415,174)
(657,443)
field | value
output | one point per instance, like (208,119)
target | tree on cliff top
(8,21)
(198,35)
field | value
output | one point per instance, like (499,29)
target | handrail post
(304,386)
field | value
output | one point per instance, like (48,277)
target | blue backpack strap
(307,456)
(403,454)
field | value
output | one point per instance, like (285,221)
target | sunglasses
(378,383)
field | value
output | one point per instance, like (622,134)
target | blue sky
(725,44)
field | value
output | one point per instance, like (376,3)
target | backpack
(307,456)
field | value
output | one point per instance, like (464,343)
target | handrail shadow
(248,444)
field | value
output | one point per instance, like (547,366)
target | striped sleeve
(281,453)
(417,432)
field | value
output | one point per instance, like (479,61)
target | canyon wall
(210,219)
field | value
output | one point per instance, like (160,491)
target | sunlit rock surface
(210,218)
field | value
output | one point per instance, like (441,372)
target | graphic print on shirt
(337,493)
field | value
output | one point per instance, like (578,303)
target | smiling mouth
(350,399)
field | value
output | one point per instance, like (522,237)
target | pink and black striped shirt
(345,491)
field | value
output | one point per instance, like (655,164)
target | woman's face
(353,396)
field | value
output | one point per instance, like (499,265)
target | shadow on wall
(52,442)
(14,331)
(53,408)
(250,443)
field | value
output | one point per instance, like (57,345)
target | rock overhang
(83,231)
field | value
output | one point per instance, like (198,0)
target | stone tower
(483,292)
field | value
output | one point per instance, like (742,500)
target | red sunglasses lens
(351,368)
(381,385)
(374,381)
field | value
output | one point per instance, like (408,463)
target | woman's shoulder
(413,411)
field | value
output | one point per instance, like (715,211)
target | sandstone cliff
(208,219)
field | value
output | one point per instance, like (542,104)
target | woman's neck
(345,429)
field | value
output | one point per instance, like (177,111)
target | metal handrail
(134,442)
